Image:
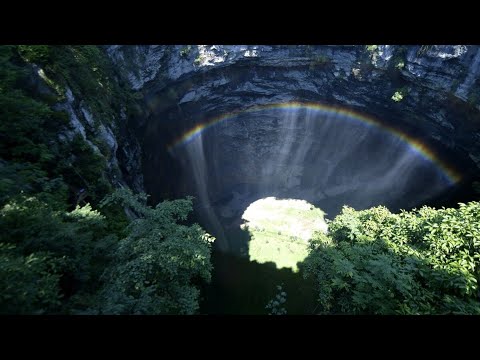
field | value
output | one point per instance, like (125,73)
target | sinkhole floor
(278,231)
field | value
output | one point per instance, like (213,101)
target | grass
(268,246)
(280,230)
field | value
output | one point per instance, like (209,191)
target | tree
(47,250)
(28,284)
(424,261)
(157,266)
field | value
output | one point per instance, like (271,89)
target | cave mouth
(325,156)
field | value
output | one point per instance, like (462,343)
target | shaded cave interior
(327,158)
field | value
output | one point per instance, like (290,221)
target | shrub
(424,261)
(157,266)
(185,51)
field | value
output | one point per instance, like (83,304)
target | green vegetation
(280,230)
(285,251)
(156,268)
(185,51)
(50,256)
(419,262)
(66,253)
(373,51)
(63,250)
(398,61)
(86,70)
(399,94)
(80,261)
(33,159)
(276,305)
(400,65)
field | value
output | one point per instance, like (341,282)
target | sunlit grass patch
(280,230)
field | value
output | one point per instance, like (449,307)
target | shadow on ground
(242,287)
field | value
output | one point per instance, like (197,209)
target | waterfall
(196,155)
(273,171)
(324,158)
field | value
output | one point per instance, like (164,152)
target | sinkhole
(267,156)
(328,158)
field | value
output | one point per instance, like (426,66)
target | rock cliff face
(431,93)
(108,136)
(123,162)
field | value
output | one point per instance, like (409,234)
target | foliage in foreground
(425,261)
(157,266)
(276,306)
(49,256)
(53,253)
(52,260)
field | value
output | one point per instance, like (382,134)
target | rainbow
(453,175)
